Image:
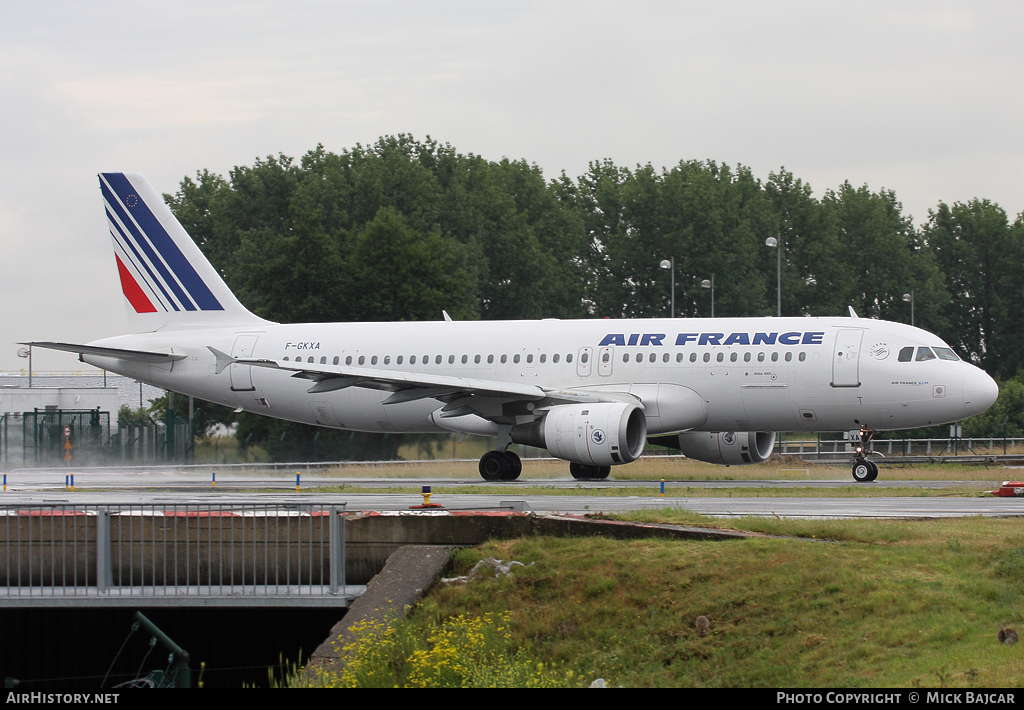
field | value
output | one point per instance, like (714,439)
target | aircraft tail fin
(166,280)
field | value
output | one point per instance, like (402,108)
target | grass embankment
(851,603)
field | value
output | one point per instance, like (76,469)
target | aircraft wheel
(862,471)
(515,466)
(874,470)
(603,472)
(582,472)
(494,466)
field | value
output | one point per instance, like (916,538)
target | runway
(169,487)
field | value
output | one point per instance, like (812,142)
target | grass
(853,491)
(847,603)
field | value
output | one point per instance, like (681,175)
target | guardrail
(208,553)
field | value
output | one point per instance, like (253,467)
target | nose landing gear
(864,471)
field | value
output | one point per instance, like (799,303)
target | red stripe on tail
(132,291)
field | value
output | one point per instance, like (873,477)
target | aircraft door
(846,358)
(241,375)
(606,356)
(583,361)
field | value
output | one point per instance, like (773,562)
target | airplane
(591,392)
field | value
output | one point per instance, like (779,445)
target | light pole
(671,264)
(777,244)
(710,284)
(910,297)
(27,352)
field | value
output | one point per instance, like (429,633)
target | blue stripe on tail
(155,236)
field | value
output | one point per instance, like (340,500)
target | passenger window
(437,359)
(652,358)
(336,359)
(721,356)
(529,358)
(476,360)
(323,360)
(625,357)
(412,359)
(584,357)
(490,359)
(568,358)
(679,357)
(605,357)
(543,358)
(664,358)
(387,359)
(554,358)
(465,359)
(451,359)
(707,357)
(515,358)
(803,356)
(693,357)
(348,360)
(789,357)
(924,354)
(373,360)
(398,360)
(286,358)
(775,357)
(504,359)
(760,357)
(906,355)
(746,356)
(362,359)
(639,357)
(733,356)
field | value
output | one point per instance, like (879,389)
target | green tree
(885,258)
(981,256)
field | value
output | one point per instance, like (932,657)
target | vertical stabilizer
(166,280)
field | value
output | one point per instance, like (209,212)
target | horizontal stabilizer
(119,353)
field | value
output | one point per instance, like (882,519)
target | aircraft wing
(120,353)
(491,399)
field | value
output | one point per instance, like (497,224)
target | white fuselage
(748,374)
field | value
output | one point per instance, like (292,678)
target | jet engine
(604,434)
(732,448)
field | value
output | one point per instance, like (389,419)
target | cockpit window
(906,354)
(925,354)
(945,354)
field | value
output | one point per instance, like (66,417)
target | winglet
(223,359)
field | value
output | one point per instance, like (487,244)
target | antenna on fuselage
(853,313)
(446,316)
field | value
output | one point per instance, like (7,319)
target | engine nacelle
(604,434)
(732,448)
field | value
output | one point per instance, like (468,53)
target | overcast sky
(924,98)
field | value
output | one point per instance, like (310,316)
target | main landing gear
(500,466)
(582,472)
(864,471)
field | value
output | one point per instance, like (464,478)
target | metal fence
(904,447)
(206,553)
(37,439)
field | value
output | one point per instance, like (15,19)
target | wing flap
(394,380)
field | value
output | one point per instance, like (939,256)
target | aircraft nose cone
(980,391)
